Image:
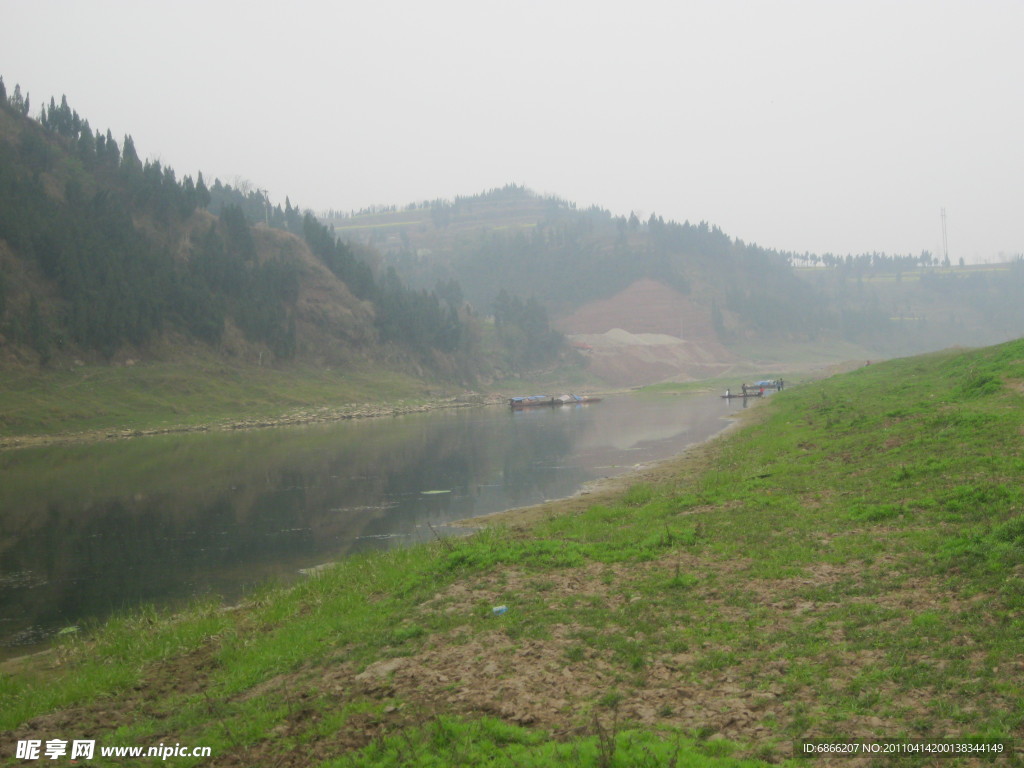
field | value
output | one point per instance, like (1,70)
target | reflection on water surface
(90,529)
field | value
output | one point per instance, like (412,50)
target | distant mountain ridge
(577,261)
(596,273)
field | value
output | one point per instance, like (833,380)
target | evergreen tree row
(119,287)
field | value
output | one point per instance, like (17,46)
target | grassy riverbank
(93,401)
(849,564)
(98,402)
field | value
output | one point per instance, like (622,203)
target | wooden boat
(576,399)
(533,401)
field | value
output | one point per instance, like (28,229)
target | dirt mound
(627,359)
(646,306)
(649,332)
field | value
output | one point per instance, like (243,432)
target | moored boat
(530,401)
(576,399)
(533,401)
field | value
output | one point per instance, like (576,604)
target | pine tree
(111,155)
(17,101)
(130,158)
(87,143)
(202,193)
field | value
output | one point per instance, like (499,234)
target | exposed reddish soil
(646,306)
(647,333)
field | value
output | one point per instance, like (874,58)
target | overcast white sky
(807,126)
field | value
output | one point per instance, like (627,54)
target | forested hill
(575,261)
(525,244)
(106,257)
(516,240)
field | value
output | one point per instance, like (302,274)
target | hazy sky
(842,126)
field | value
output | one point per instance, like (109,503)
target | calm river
(86,530)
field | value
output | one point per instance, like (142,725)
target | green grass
(150,396)
(849,563)
(742,373)
(451,741)
(801,355)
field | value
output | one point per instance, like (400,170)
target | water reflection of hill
(88,529)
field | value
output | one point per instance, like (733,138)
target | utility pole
(945,245)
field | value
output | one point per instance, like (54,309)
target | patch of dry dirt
(646,333)
(537,682)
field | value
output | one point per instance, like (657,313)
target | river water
(87,530)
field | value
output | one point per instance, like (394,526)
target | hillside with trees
(105,257)
(513,240)
(733,293)
(923,302)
